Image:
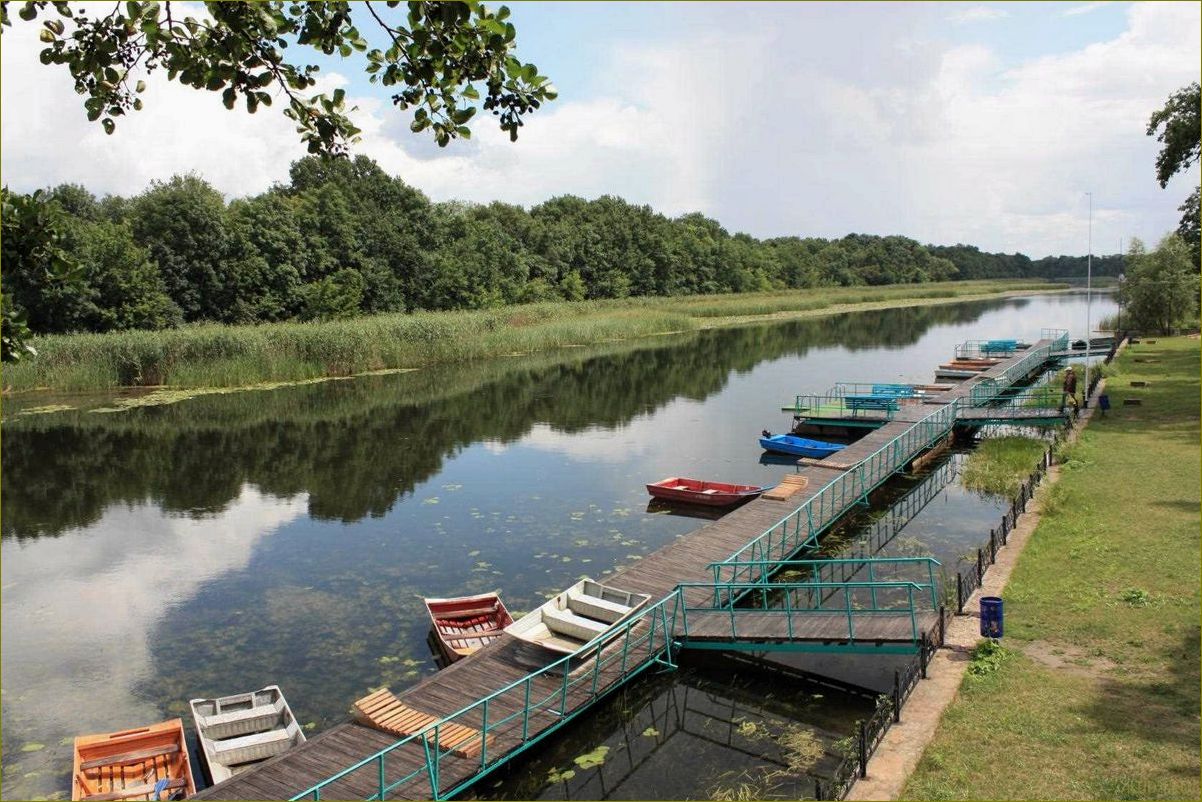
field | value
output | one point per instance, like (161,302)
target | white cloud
(1082,9)
(978,14)
(803,119)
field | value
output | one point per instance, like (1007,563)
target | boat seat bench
(129,757)
(598,608)
(576,626)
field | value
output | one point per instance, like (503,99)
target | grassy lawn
(1098,697)
(216,355)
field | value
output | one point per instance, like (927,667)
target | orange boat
(146,763)
(466,623)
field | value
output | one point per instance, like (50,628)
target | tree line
(344,238)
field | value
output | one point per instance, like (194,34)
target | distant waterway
(228,542)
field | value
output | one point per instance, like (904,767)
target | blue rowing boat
(798,446)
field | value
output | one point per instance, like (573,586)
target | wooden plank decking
(507,660)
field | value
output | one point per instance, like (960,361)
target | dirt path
(904,743)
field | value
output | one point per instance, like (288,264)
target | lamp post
(1088,297)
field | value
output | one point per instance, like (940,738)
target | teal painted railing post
(432,755)
(913,619)
(625,648)
(563,697)
(789,612)
(596,670)
(484,735)
(851,627)
(380,777)
(931,581)
(526,710)
(872,578)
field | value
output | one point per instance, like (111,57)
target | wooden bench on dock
(383,711)
(872,403)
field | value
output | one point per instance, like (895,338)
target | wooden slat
(130,757)
(134,790)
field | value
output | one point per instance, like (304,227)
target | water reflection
(357,447)
(81,613)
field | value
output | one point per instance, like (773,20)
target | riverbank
(1097,692)
(242,356)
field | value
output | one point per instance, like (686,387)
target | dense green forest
(343,238)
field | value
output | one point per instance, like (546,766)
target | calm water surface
(230,542)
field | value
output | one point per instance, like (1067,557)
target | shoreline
(232,358)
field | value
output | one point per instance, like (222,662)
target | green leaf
(228,97)
(109,125)
(140,86)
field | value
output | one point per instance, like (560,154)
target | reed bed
(216,355)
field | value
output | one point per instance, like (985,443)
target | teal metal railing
(801,528)
(989,388)
(556,691)
(837,405)
(975,349)
(828,571)
(739,610)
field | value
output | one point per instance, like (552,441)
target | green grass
(1000,464)
(234,356)
(1100,696)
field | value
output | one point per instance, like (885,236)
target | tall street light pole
(1088,297)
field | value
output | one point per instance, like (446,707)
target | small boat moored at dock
(144,763)
(798,446)
(699,491)
(239,731)
(577,616)
(464,624)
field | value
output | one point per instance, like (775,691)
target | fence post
(922,655)
(896,696)
(959,593)
(942,624)
(980,566)
(863,750)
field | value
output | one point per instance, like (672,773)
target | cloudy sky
(946,122)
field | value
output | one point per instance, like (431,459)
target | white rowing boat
(238,731)
(578,615)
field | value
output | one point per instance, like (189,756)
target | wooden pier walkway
(507,660)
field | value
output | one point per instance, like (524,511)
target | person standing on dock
(1070,389)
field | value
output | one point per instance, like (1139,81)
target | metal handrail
(843,406)
(802,527)
(726,590)
(430,734)
(930,563)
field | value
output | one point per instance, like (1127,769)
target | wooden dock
(508,660)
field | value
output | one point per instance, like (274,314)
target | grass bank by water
(1097,693)
(236,356)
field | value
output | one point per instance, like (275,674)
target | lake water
(229,542)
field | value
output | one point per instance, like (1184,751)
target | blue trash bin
(991,617)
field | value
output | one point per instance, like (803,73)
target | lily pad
(650,732)
(591,759)
(557,776)
(36,747)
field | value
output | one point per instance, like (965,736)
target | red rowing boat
(697,491)
(466,623)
